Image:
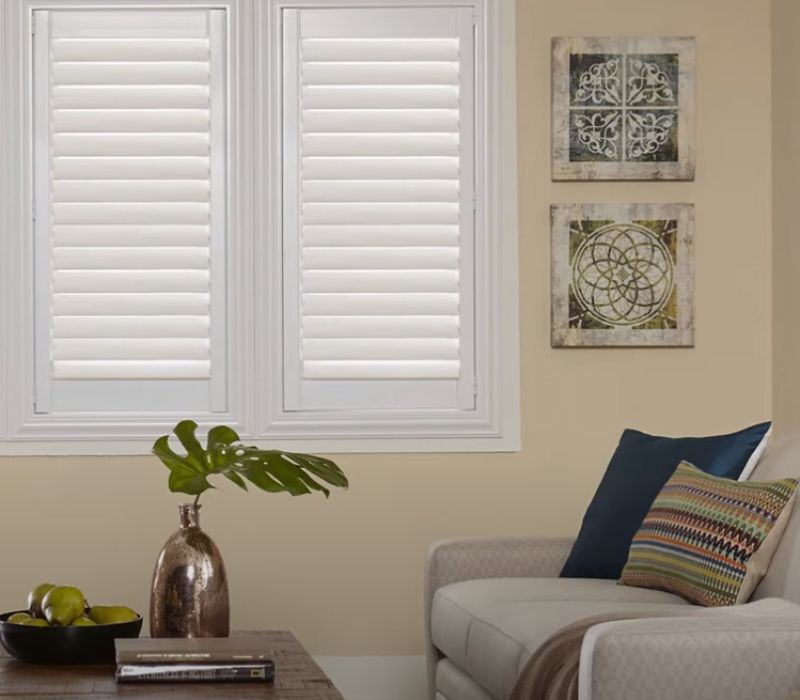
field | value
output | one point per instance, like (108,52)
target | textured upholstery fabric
(490,627)
(708,539)
(698,659)
(638,469)
(452,682)
(463,559)
(725,654)
(782,580)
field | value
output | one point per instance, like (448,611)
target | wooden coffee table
(297,677)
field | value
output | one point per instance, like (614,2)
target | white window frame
(494,425)
(255,361)
(23,431)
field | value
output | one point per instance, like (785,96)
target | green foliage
(270,470)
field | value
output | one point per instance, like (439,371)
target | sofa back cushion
(782,580)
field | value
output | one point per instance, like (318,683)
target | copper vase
(189,597)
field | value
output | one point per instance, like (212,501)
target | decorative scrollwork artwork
(648,83)
(649,133)
(622,274)
(600,132)
(623,108)
(601,84)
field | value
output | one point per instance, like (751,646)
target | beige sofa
(490,603)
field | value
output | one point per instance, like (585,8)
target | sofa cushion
(640,466)
(491,627)
(708,539)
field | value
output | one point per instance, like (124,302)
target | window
(293,217)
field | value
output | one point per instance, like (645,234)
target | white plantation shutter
(129,185)
(378,121)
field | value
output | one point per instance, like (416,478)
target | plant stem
(196,499)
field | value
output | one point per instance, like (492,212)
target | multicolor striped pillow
(709,539)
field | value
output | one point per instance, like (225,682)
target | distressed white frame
(22,429)
(255,373)
(494,424)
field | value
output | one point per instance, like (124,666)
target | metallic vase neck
(189,515)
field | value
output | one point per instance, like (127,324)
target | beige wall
(346,574)
(786,231)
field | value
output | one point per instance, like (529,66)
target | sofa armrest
(708,657)
(464,559)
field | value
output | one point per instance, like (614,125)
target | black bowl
(64,645)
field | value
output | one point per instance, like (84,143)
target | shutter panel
(378,183)
(129,122)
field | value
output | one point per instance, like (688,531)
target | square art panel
(623,108)
(622,274)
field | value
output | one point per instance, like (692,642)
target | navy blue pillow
(639,468)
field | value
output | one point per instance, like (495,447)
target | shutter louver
(130,194)
(381,201)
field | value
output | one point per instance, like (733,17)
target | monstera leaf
(224,454)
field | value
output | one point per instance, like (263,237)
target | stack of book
(244,658)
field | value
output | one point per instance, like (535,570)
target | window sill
(141,446)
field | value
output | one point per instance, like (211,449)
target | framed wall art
(622,275)
(623,108)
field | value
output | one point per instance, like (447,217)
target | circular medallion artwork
(623,275)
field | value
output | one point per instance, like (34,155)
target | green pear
(111,614)
(63,604)
(83,621)
(19,618)
(34,622)
(36,596)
